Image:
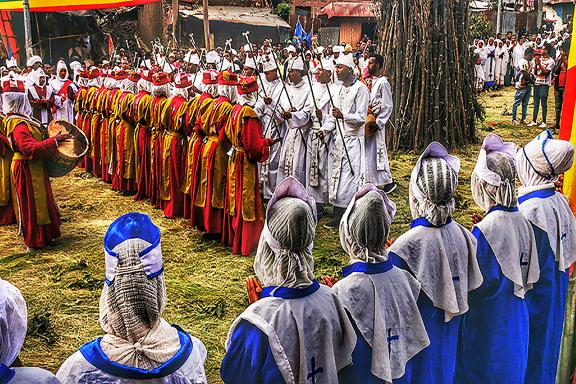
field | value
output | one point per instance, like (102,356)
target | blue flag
(300,35)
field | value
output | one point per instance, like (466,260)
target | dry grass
(205,282)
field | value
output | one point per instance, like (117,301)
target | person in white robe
(319,144)
(298,332)
(192,65)
(13,326)
(381,106)
(490,63)
(500,63)
(293,115)
(480,56)
(33,64)
(138,345)
(346,124)
(41,96)
(540,163)
(64,93)
(380,297)
(441,254)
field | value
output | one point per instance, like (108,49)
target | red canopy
(348,9)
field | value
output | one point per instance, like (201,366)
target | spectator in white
(64,93)
(480,56)
(523,85)
(379,297)
(543,67)
(33,63)
(139,345)
(501,63)
(490,63)
(13,324)
(517,56)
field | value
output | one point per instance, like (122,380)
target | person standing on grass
(560,73)
(543,66)
(524,83)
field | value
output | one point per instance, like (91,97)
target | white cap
(320,49)
(291,48)
(296,63)
(338,49)
(247,48)
(233,52)
(105,62)
(11,63)
(33,60)
(192,58)
(212,57)
(75,65)
(250,63)
(226,65)
(328,64)
(268,64)
(346,60)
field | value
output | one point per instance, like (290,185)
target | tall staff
(245,34)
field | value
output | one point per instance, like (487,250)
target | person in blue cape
(441,254)
(380,298)
(495,331)
(298,332)
(539,165)
(13,326)
(138,345)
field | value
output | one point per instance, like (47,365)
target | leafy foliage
(283,10)
(480,28)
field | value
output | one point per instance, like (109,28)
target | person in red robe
(86,113)
(41,97)
(212,187)
(160,92)
(79,108)
(7,214)
(173,147)
(142,135)
(109,101)
(96,106)
(243,213)
(197,108)
(38,217)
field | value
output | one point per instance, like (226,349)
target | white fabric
(298,330)
(268,64)
(353,103)
(36,76)
(11,63)
(382,303)
(444,262)
(16,102)
(212,57)
(346,60)
(33,60)
(64,106)
(377,164)
(514,249)
(296,63)
(365,216)
(13,322)
(76,369)
(33,375)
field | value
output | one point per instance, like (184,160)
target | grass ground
(205,283)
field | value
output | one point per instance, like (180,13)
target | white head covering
(291,48)
(13,322)
(284,255)
(346,60)
(33,60)
(296,63)
(134,295)
(338,49)
(15,102)
(328,64)
(542,160)
(250,63)
(493,180)
(11,63)
(433,183)
(365,226)
(247,48)
(192,58)
(37,75)
(268,63)
(128,85)
(212,57)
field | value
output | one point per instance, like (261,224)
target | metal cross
(315,371)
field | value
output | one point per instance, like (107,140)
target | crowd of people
(532,64)
(212,138)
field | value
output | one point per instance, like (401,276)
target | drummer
(38,217)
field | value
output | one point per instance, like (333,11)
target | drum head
(70,152)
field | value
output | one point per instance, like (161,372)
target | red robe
(7,215)
(210,194)
(142,136)
(243,212)
(83,119)
(39,226)
(123,178)
(96,105)
(40,101)
(156,146)
(106,136)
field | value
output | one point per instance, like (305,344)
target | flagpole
(27,28)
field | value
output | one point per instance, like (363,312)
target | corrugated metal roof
(244,15)
(348,9)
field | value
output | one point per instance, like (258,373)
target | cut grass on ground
(205,283)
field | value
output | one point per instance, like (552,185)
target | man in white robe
(377,164)
(64,93)
(265,105)
(346,165)
(293,114)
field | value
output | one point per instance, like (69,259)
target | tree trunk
(429,65)
(150,20)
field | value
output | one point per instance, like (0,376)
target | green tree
(283,10)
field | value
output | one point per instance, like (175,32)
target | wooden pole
(206,25)
(27,28)
(175,11)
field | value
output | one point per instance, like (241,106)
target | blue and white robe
(495,331)
(443,260)
(381,299)
(292,336)
(555,233)
(26,375)
(91,365)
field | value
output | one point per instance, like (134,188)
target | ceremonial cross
(522,260)
(380,152)
(391,339)
(314,372)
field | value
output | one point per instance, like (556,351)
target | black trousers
(558,100)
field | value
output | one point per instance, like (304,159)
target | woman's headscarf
(13,322)
(284,255)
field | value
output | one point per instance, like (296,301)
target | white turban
(365,226)
(13,322)
(543,159)
(493,180)
(433,183)
(296,63)
(284,255)
(346,60)
(268,64)
(33,60)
